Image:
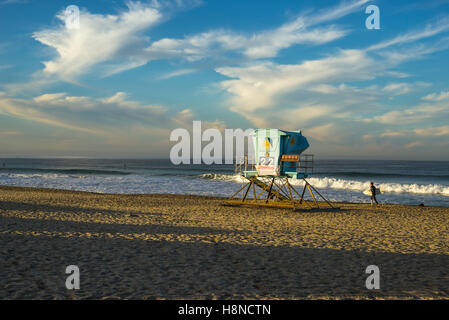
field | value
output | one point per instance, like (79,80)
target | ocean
(402,182)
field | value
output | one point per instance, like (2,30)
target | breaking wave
(353,185)
(223,177)
(334,183)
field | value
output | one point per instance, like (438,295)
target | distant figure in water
(124,165)
(373,194)
(4,164)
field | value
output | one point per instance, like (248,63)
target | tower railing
(305,164)
(301,164)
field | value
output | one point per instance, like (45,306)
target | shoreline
(19,188)
(194,247)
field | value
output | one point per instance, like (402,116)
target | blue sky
(134,71)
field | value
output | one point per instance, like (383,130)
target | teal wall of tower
(271,144)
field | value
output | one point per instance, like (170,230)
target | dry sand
(189,247)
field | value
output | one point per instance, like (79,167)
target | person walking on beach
(373,194)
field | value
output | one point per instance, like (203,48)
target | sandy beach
(191,247)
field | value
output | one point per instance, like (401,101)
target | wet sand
(189,247)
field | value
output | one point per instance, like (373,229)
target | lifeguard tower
(279,159)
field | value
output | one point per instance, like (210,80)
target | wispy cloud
(119,42)
(414,144)
(10,133)
(412,115)
(336,97)
(398,88)
(263,44)
(177,73)
(108,117)
(337,12)
(255,88)
(433,132)
(261,85)
(429,30)
(401,88)
(100,39)
(443,95)
(7,2)
(84,114)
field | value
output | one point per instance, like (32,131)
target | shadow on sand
(33,266)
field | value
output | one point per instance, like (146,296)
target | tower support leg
(280,193)
(269,191)
(247,190)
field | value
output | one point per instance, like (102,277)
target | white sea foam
(353,185)
(34,175)
(224,177)
(197,184)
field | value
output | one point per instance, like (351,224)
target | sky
(136,70)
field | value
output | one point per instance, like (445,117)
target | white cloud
(10,133)
(113,120)
(268,44)
(396,74)
(100,38)
(398,88)
(96,116)
(49,97)
(7,2)
(390,133)
(258,88)
(429,31)
(260,85)
(326,132)
(443,95)
(417,114)
(315,95)
(414,144)
(401,88)
(177,73)
(398,117)
(185,118)
(265,44)
(346,93)
(433,132)
(118,42)
(341,10)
